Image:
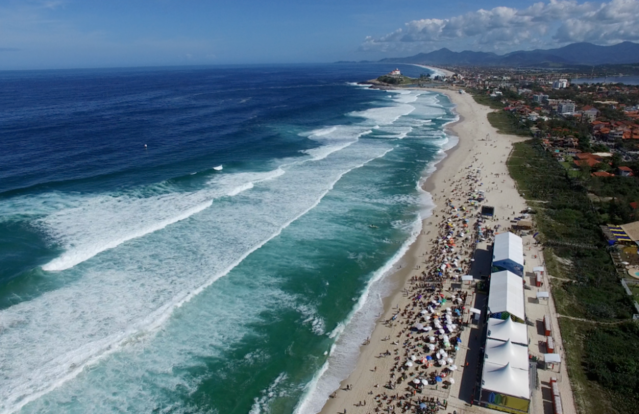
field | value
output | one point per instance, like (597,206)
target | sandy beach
(477,163)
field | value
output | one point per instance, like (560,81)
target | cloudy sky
(41,34)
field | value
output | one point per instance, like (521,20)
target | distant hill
(573,54)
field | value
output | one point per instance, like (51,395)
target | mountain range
(573,54)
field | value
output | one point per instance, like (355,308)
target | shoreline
(376,370)
(430,183)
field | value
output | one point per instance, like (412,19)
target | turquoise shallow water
(147,281)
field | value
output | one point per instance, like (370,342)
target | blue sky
(42,34)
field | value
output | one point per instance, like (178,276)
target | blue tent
(508,254)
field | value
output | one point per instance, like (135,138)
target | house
(590,112)
(586,159)
(625,171)
(395,72)
(602,174)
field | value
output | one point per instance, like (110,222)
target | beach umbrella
(429,358)
(424,312)
(459,341)
(413,358)
(431,339)
(419,326)
(449,360)
(438,378)
(409,364)
(424,381)
(453,367)
(423,406)
(416,381)
(451,380)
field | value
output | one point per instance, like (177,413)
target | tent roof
(502,353)
(508,246)
(632,230)
(555,358)
(505,379)
(504,330)
(506,294)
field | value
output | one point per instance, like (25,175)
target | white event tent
(502,353)
(504,379)
(507,329)
(506,294)
(508,253)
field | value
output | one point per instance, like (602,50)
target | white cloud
(502,28)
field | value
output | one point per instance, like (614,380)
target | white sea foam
(122,296)
(103,222)
(127,293)
(384,115)
(334,138)
(360,323)
(357,327)
(261,404)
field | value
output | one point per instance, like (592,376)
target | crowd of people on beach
(428,330)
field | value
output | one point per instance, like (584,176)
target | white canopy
(508,246)
(506,294)
(505,379)
(504,330)
(542,295)
(467,278)
(502,353)
(475,310)
(552,358)
(538,269)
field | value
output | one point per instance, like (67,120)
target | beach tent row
(508,253)
(505,384)
(506,296)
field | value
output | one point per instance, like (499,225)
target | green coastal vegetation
(396,80)
(599,336)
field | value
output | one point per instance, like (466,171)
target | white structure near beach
(505,386)
(506,295)
(508,253)
(502,353)
(507,330)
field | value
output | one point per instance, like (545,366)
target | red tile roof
(602,174)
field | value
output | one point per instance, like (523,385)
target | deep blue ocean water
(138,276)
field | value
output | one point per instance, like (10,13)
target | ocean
(627,80)
(202,239)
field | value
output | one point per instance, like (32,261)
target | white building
(566,107)
(560,84)
(506,295)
